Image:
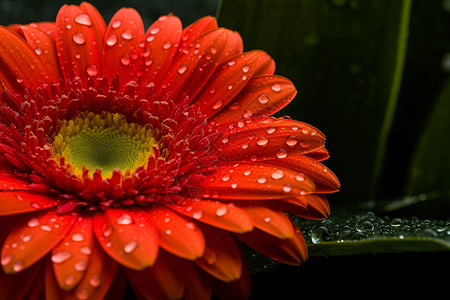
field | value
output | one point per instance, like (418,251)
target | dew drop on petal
(198,214)
(182,69)
(18,266)
(6,259)
(27,238)
(263,99)
(79,38)
(46,228)
(35,205)
(111,40)
(221,211)
(235,106)
(231,63)
(300,177)
(167,45)
(278,174)
(281,153)
(82,294)
(95,281)
(287,188)
(86,250)
(19,80)
(77,237)
(108,231)
(271,129)
(276,87)
(245,68)
(116,24)
(226,177)
(38,50)
(61,256)
(262,179)
(155,30)
(247,172)
(168,231)
(262,141)
(267,219)
(130,246)
(217,104)
(92,70)
(83,19)
(125,60)
(69,280)
(124,219)
(127,35)
(234,185)
(80,266)
(33,222)
(291,141)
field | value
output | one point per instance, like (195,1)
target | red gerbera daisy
(146,157)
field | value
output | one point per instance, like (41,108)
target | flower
(147,157)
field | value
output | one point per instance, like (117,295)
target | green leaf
(346,59)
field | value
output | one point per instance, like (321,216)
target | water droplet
(86,250)
(83,19)
(217,104)
(247,172)
(182,69)
(6,259)
(82,294)
(80,266)
(19,80)
(231,63)
(155,30)
(276,87)
(211,258)
(281,153)
(79,38)
(226,177)
(18,266)
(234,185)
(221,211)
(262,179)
(77,237)
(127,35)
(125,60)
(112,40)
(124,219)
(198,214)
(245,68)
(300,177)
(213,50)
(245,145)
(69,280)
(33,222)
(263,99)
(271,129)
(95,281)
(116,24)
(35,205)
(38,50)
(287,188)
(27,238)
(167,45)
(235,106)
(291,141)
(61,256)
(108,231)
(92,70)
(168,231)
(46,228)
(262,141)
(248,114)
(267,219)
(130,246)
(278,174)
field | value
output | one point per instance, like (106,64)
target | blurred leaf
(430,166)
(346,59)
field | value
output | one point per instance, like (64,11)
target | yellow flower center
(104,141)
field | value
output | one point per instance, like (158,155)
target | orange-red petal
(177,235)
(225,83)
(195,30)
(166,279)
(262,96)
(275,223)
(266,64)
(78,42)
(317,209)
(71,257)
(33,237)
(128,236)
(122,48)
(220,215)
(16,202)
(222,258)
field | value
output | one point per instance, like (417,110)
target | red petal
(222,258)
(195,30)
(198,287)
(160,49)
(319,154)
(23,201)
(191,69)
(262,96)
(323,178)
(45,48)
(128,236)
(290,251)
(19,64)
(177,235)
(96,19)
(95,283)
(226,81)
(267,139)
(220,215)
(318,208)
(34,237)
(17,286)
(166,279)
(238,289)
(12,184)
(252,181)
(233,47)
(266,65)
(78,42)
(121,49)
(275,223)
(71,257)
